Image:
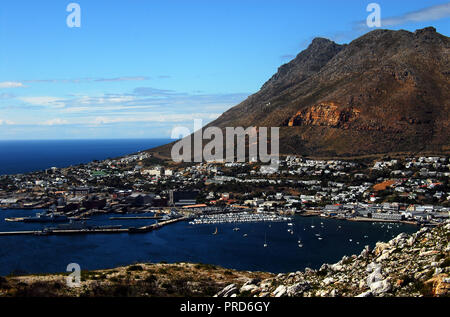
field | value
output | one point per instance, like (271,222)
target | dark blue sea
(182,242)
(28,156)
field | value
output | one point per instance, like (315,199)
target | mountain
(385,92)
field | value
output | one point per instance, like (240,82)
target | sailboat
(265,240)
(300,244)
(215,232)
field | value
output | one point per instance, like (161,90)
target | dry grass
(138,280)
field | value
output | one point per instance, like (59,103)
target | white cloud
(56,121)
(157,118)
(6,122)
(432,13)
(44,101)
(88,79)
(135,78)
(11,84)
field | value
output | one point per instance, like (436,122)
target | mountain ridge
(386,91)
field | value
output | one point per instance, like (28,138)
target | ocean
(27,156)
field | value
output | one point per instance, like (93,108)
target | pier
(156,225)
(136,218)
(144,229)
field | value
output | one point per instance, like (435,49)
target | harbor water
(231,245)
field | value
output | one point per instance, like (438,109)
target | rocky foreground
(408,265)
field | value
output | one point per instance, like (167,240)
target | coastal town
(412,189)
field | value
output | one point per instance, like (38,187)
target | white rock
(248,288)
(336,267)
(383,257)
(365,294)
(297,289)
(227,291)
(328,281)
(374,277)
(280,291)
(362,284)
(380,287)
(372,266)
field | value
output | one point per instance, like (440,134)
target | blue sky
(138,68)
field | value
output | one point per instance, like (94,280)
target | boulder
(297,289)
(251,288)
(228,291)
(328,281)
(365,294)
(380,247)
(365,253)
(380,287)
(375,276)
(280,291)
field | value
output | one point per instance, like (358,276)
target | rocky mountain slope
(387,91)
(408,265)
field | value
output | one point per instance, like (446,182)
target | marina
(239,218)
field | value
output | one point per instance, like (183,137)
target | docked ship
(40,218)
(45,218)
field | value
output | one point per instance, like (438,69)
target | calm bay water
(182,242)
(28,156)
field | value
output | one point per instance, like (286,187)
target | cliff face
(325,114)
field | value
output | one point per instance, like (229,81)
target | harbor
(254,244)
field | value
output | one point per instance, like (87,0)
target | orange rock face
(325,114)
(440,287)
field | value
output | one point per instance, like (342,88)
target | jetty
(95,231)
(136,218)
